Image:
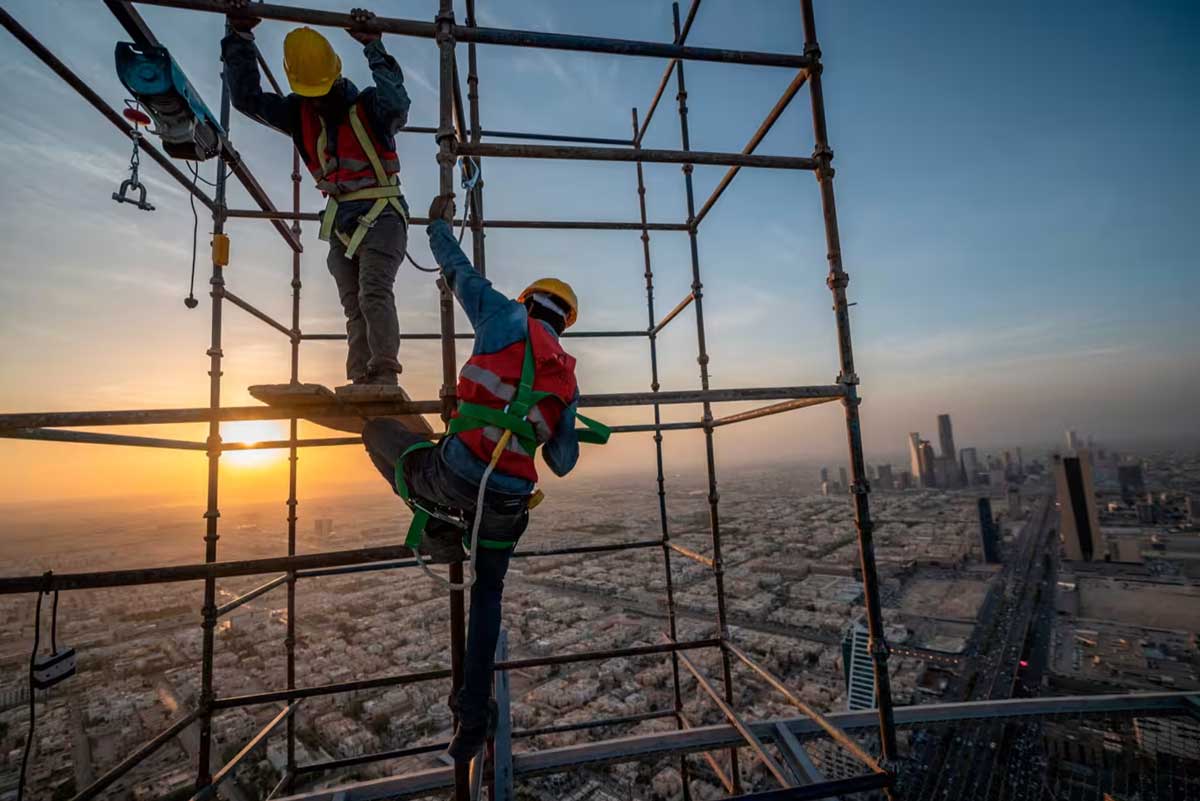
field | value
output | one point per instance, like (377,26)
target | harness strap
(385,194)
(420,515)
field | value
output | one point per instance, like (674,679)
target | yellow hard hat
(558,289)
(310,63)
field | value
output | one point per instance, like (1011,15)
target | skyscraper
(845,482)
(1073,443)
(914,456)
(1133,486)
(970,466)
(824,474)
(883,476)
(926,464)
(1077,501)
(946,436)
(989,537)
(1014,502)
(858,669)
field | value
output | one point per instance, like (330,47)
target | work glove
(442,208)
(360,16)
(242,24)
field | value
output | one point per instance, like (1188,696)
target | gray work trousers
(364,286)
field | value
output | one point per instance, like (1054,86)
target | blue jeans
(505,517)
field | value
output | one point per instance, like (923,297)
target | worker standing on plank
(517,367)
(346,139)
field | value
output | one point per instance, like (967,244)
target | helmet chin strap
(550,302)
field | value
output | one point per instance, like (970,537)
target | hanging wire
(37,636)
(468,185)
(190,301)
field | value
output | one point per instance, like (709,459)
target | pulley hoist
(187,128)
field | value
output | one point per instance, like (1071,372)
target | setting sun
(250,432)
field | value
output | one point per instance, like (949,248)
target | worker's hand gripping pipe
(470,582)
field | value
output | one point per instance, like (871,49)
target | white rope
(487,473)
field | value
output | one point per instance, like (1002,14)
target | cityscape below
(1005,575)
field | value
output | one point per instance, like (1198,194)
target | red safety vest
(339,163)
(491,379)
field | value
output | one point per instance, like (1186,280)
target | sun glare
(250,432)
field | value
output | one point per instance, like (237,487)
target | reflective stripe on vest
(357,169)
(491,380)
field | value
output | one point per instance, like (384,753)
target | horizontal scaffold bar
(550,225)
(274,696)
(656,156)
(708,738)
(311,565)
(464,336)
(496,36)
(8,422)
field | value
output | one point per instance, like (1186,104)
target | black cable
(37,636)
(54,625)
(190,301)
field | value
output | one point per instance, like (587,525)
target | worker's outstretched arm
(388,104)
(561,452)
(245,83)
(474,292)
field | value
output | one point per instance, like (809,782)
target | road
(967,762)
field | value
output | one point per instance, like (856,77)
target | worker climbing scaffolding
(347,140)
(475,488)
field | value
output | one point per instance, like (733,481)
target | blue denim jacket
(498,322)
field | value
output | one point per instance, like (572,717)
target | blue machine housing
(187,127)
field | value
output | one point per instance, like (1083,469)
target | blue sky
(1017,188)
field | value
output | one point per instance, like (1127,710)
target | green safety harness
(513,421)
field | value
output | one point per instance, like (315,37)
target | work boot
(468,741)
(383,378)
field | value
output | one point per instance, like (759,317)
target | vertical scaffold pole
(293,459)
(837,282)
(212,513)
(672,626)
(702,350)
(445,139)
(477,233)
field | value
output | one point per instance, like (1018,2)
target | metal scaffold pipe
(837,282)
(493,36)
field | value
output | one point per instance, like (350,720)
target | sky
(1017,188)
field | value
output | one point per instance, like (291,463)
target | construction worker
(449,476)
(346,139)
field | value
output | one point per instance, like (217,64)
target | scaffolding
(460,135)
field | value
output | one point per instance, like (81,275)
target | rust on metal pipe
(718,771)
(754,142)
(693,555)
(671,315)
(639,132)
(836,734)
(751,739)
(767,411)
